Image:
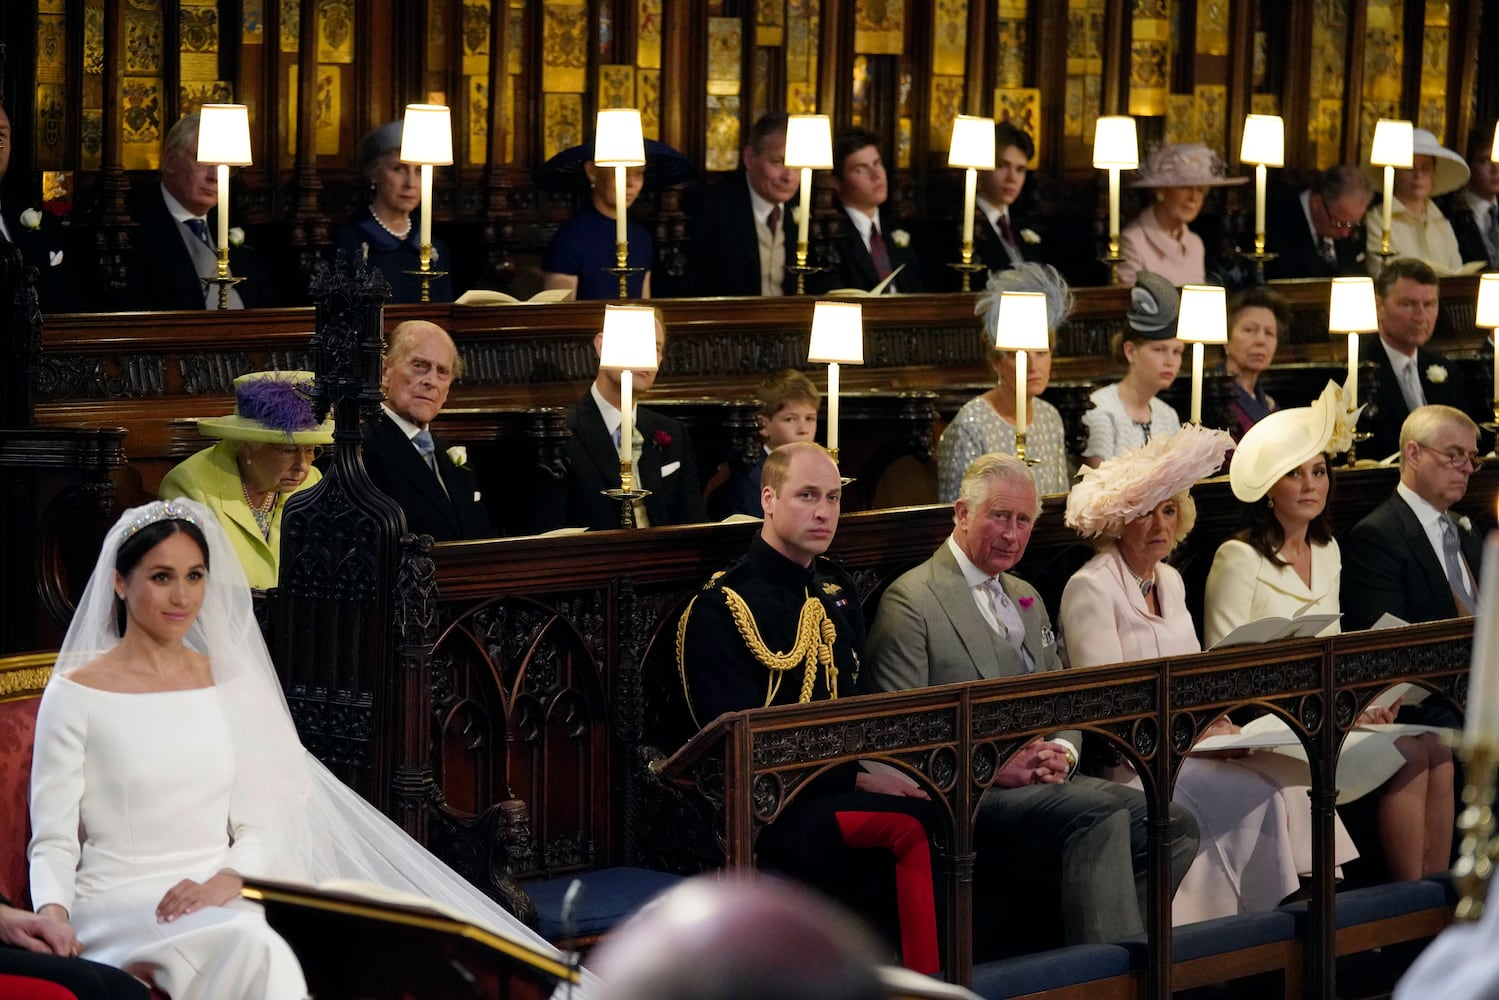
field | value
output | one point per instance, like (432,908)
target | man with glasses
(430,481)
(1313,234)
(1412,557)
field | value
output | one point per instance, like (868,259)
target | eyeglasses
(1455,458)
(292,451)
(1337,223)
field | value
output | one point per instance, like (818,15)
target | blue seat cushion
(1047,970)
(1206,938)
(1379,902)
(609,895)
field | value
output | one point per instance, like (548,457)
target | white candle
(833,406)
(1482,724)
(223,206)
(970,192)
(619,206)
(1196,383)
(1114,203)
(804,216)
(1259,199)
(626,418)
(1022,398)
(426,205)
(1389,200)
(1352,371)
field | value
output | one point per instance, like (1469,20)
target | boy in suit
(788,412)
(872,244)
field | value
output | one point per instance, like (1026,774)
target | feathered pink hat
(1131,485)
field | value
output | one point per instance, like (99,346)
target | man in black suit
(1411,557)
(1410,376)
(743,231)
(438,494)
(1474,210)
(1320,233)
(38,235)
(176,227)
(870,246)
(664,462)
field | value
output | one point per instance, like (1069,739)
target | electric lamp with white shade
(619,142)
(224,140)
(1203,319)
(972,148)
(427,140)
(1394,146)
(629,346)
(1116,147)
(1022,326)
(809,147)
(837,339)
(1351,310)
(1264,145)
(1488,318)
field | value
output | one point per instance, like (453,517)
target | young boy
(788,412)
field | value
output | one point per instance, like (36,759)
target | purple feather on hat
(277,404)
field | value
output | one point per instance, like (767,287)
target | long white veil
(316,827)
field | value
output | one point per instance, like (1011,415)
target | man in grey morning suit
(1043,832)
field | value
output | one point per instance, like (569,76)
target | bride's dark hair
(134,549)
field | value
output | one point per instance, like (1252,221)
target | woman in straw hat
(987,423)
(1284,563)
(264,455)
(1127,604)
(1417,226)
(1158,239)
(1128,414)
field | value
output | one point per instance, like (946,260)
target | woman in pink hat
(1158,239)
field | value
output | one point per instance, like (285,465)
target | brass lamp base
(967,269)
(426,278)
(1475,861)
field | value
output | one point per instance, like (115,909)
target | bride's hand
(188,896)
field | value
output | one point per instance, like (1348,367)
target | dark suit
(989,250)
(1079,845)
(54,289)
(398,471)
(725,251)
(1471,244)
(82,979)
(1391,410)
(1289,235)
(1389,566)
(162,273)
(855,267)
(593,466)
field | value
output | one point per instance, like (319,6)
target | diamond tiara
(157,510)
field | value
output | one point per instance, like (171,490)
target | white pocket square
(56,258)
(669,468)
(478,496)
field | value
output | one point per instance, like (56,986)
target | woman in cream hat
(1417,227)
(1158,239)
(1284,563)
(264,454)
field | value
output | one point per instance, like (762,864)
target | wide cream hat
(1450,171)
(272,407)
(1281,442)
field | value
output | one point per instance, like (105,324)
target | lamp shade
(1115,143)
(618,140)
(427,134)
(629,339)
(972,143)
(1351,307)
(1022,325)
(1488,301)
(224,135)
(1394,143)
(1264,141)
(837,334)
(1203,318)
(809,142)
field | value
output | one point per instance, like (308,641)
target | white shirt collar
(1478,206)
(992,212)
(1424,511)
(1398,359)
(972,575)
(760,206)
(864,223)
(407,427)
(175,209)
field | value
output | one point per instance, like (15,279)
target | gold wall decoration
(1150,58)
(947,104)
(140,146)
(1212,27)
(475,37)
(724,54)
(142,54)
(291,20)
(477,101)
(437,37)
(93,138)
(904,137)
(51,49)
(880,27)
(327,109)
(803,20)
(770,22)
(723,132)
(93,39)
(1012,38)
(562,116)
(192,95)
(1264,104)
(198,40)
(51,6)
(1084,94)
(616,86)
(1383,42)
(335,31)
(1329,35)
(648,99)
(1021,107)
(517,34)
(759,82)
(949,37)
(51,124)
(648,34)
(564,51)
(252,22)
(1432,114)
(1212,116)
(859,92)
(801,98)
(509,117)
(1181,118)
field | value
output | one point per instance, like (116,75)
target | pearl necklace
(262,514)
(394,235)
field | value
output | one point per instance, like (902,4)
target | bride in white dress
(166,766)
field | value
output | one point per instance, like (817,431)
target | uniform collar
(777,567)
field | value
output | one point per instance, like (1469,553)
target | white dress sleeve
(56,793)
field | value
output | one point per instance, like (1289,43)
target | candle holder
(627,495)
(966,267)
(424,272)
(1355,438)
(1259,257)
(223,278)
(1476,855)
(622,268)
(802,269)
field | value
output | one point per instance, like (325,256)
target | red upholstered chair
(22,679)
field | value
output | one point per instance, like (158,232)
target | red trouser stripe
(905,838)
(27,988)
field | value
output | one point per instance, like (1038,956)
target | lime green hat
(271,407)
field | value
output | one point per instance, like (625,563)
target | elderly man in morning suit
(1319,233)
(1043,831)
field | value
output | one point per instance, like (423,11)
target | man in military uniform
(783,625)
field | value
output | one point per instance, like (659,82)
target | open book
(486,297)
(880,289)
(1271,629)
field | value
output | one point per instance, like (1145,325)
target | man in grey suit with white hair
(1043,831)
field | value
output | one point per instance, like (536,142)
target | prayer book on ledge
(1272,629)
(487,297)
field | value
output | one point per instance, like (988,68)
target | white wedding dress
(130,794)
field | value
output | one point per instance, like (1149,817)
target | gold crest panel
(1021,107)
(327,109)
(947,104)
(1264,104)
(648,93)
(1084,88)
(648,34)
(198,41)
(475,37)
(477,100)
(193,94)
(291,18)
(770,22)
(335,31)
(51,6)
(92,129)
(950,37)
(514,61)
(142,43)
(93,39)
(880,27)
(1181,119)
(1212,116)
(1212,27)
(616,86)
(252,22)
(1383,40)
(1327,133)
(801,98)
(51,49)
(562,115)
(141,124)
(904,139)
(51,124)
(1150,58)
(723,132)
(724,53)
(564,49)
(1014,43)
